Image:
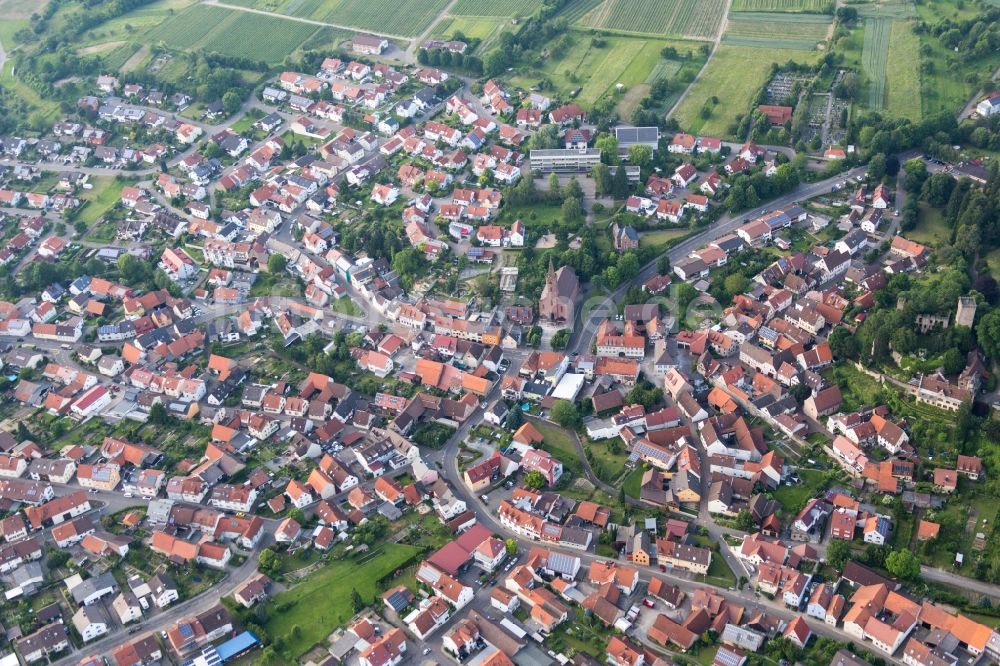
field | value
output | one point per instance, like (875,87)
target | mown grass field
(808,6)
(875,59)
(688,18)
(596,71)
(734,75)
(776,30)
(903,72)
(322,602)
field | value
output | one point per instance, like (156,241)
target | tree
(565,414)
(356,601)
(845,346)
(800,392)
(511,546)
(744,521)
(952,361)
(640,155)
(560,339)
(837,553)
(608,145)
(619,184)
(602,179)
(735,284)
(276,264)
(515,418)
(663,265)
(232,101)
(534,479)
(158,414)
(903,564)
(916,174)
(23,433)
(268,561)
(554,188)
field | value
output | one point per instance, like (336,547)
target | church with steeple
(559,294)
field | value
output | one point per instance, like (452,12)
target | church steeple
(550,278)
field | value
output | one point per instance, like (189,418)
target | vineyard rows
(693,18)
(806,6)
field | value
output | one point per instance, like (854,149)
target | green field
(687,18)
(903,72)
(322,602)
(102,198)
(596,71)
(484,28)
(931,227)
(559,443)
(813,6)
(734,74)
(233,32)
(405,18)
(875,58)
(800,32)
(503,8)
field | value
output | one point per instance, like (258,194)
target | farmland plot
(902,98)
(185,29)
(874,58)
(691,18)
(776,30)
(394,17)
(260,37)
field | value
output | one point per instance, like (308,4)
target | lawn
(931,227)
(903,72)
(662,236)
(596,71)
(559,443)
(633,482)
(697,19)
(734,75)
(793,498)
(106,193)
(322,602)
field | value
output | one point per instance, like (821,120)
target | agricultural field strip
(874,58)
(903,72)
(806,6)
(497,8)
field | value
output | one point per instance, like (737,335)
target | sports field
(734,75)
(596,71)
(687,18)
(777,30)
